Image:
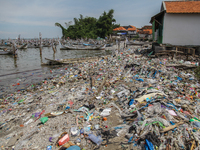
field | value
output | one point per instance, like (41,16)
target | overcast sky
(29,17)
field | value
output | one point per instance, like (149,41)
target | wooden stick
(171,127)
(193,143)
(102,84)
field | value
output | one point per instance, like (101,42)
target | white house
(178,23)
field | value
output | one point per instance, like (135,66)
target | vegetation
(90,27)
(136,37)
(150,40)
(197,73)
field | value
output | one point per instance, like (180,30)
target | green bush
(150,40)
(90,27)
(197,72)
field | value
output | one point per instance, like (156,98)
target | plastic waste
(44,119)
(75,147)
(95,139)
(49,147)
(196,123)
(78,140)
(105,112)
(131,102)
(149,145)
(64,138)
(87,130)
(144,97)
(74,131)
(122,93)
(97,126)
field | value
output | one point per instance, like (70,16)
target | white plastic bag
(106,112)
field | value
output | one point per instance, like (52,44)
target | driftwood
(168,52)
(171,127)
(182,66)
(102,84)
(93,81)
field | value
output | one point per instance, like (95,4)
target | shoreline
(24,74)
(107,83)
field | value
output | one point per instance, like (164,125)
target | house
(131,29)
(128,31)
(177,23)
(145,32)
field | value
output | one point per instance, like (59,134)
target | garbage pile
(123,101)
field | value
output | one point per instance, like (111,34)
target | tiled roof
(116,29)
(182,6)
(149,31)
(147,27)
(131,29)
(122,28)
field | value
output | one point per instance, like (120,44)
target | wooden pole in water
(40,37)
(118,45)
(14,49)
(54,50)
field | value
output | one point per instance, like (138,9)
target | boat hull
(6,52)
(63,47)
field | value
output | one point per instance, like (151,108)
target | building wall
(142,35)
(181,29)
(131,32)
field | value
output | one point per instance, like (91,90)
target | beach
(105,99)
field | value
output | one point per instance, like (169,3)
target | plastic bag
(139,116)
(106,112)
(95,139)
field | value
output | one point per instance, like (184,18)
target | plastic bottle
(87,130)
(75,147)
(74,131)
(49,147)
(63,140)
(95,139)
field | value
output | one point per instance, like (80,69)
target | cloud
(41,15)
(35,12)
(5,32)
(29,22)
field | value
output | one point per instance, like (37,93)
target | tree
(64,31)
(90,27)
(68,24)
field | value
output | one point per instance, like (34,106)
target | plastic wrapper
(106,112)
(155,109)
(180,115)
(180,141)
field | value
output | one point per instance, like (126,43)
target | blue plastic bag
(131,102)
(148,145)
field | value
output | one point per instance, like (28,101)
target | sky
(29,17)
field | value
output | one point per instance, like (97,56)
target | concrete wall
(142,35)
(181,29)
(131,32)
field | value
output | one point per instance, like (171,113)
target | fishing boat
(136,43)
(64,47)
(8,52)
(70,61)
(22,46)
